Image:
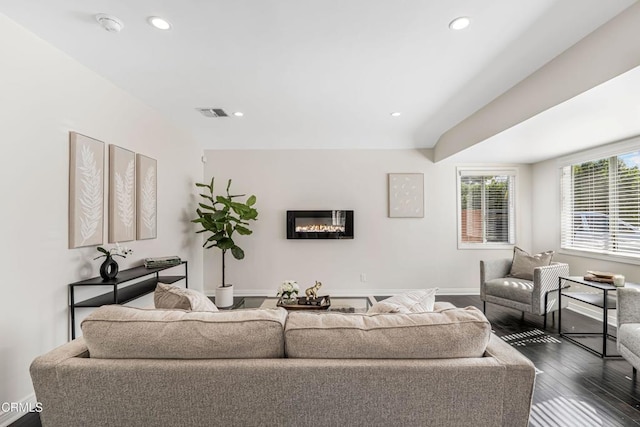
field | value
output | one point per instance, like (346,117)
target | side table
(603,300)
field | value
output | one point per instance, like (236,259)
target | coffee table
(345,304)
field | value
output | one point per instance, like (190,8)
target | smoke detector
(109,22)
(212,112)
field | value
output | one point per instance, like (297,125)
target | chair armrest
(545,278)
(628,305)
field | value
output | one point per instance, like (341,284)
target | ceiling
(320,74)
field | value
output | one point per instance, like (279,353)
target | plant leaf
(223,200)
(225,243)
(251,201)
(237,252)
(218,215)
(243,231)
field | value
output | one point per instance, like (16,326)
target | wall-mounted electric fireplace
(319,224)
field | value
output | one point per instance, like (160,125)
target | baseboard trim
(353,293)
(7,418)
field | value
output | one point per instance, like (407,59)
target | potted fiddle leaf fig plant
(222,216)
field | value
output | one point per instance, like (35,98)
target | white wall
(44,95)
(394,253)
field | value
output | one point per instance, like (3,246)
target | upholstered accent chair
(538,296)
(628,340)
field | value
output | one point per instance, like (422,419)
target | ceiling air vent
(212,112)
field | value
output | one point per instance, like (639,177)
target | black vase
(109,268)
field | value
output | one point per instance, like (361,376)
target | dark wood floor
(573,386)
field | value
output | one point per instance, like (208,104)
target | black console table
(122,294)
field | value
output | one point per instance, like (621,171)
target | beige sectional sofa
(136,367)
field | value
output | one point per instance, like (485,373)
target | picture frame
(122,200)
(86,191)
(406,195)
(146,197)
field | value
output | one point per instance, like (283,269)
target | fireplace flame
(319,228)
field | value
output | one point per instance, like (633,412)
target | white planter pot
(224,296)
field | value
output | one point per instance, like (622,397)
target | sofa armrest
(628,305)
(44,372)
(520,381)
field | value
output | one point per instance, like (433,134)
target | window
(601,205)
(486,217)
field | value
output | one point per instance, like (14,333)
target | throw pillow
(524,263)
(169,296)
(418,301)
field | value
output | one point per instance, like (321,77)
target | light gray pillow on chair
(169,296)
(523,263)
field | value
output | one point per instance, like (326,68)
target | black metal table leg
(559,305)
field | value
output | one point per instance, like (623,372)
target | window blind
(601,205)
(486,207)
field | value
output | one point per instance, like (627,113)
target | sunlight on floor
(535,336)
(563,412)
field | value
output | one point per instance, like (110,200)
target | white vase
(224,296)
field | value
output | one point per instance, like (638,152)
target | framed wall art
(86,191)
(146,200)
(122,200)
(406,195)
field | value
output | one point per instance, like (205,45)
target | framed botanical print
(122,200)
(86,191)
(146,200)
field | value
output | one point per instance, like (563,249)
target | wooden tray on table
(319,303)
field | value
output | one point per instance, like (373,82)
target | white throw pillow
(169,296)
(418,301)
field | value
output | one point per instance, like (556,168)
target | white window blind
(601,205)
(486,207)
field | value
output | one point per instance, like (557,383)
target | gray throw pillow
(169,296)
(524,263)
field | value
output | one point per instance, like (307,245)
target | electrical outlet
(363,277)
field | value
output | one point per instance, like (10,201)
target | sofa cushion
(450,333)
(510,288)
(170,296)
(417,301)
(118,332)
(523,264)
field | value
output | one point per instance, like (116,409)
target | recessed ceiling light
(460,23)
(159,23)
(238,114)
(396,114)
(109,22)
